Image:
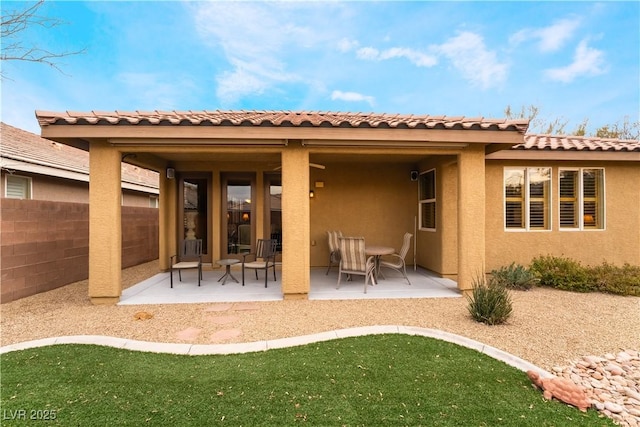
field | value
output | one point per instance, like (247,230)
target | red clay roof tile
(279,118)
(576,143)
(336,119)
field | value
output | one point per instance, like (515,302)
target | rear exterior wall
(618,243)
(377,201)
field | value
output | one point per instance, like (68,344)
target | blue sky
(573,60)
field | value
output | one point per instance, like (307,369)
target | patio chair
(334,248)
(396,261)
(244,238)
(353,260)
(263,259)
(190,257)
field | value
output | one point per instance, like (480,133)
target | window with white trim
(527,197)
(17,187)
(427,189)
(581,199)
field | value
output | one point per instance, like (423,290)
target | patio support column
(167,220)
(295,222)
(105,224)
(471,216)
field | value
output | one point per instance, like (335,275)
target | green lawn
(370,381)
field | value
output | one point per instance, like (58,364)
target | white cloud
(249,78)
(549,38)
(347,45)
(586,61)
(417,58)
(469,55)
(352,97)
(255,38)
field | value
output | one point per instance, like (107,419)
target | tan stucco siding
(618,243)
(54,189)
(105,236)
(471,216)
(168,221)
(295,222)
(375,200)
(437,249)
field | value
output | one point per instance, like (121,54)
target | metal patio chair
(396,261)
(353,260)
(334,248)
(190,257)
(264,258)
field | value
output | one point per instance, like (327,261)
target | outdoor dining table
(377,252)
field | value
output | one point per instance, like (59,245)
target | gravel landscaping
(548,327)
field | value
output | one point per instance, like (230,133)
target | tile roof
(576,143)
(23,146)
(279,118)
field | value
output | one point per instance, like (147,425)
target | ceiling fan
(313,165)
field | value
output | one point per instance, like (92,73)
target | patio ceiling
(271,160)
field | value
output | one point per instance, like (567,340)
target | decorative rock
(613,407)
(613,369)
(562,389)
(623,357)
(611,383)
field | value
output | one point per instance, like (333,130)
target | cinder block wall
(45,245)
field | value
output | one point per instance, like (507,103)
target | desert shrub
(515,276)
(562,273)
(490,302)
(611,279)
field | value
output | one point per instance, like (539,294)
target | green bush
(562,273)
(489,303)
(623,280)
(515,276)
(567,274)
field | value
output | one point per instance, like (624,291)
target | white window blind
(427,188)
(18,187)
(527,198)
(582,199)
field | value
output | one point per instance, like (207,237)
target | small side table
(227,263)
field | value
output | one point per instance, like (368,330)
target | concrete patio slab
(156,290)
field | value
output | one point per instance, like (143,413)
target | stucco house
(44,237)
(36,168)
(478,192)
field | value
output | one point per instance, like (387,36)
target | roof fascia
(238,135)
(568,155)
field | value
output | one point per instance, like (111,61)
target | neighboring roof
(576,143)
(29,152)
(278,119)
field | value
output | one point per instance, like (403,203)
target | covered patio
(156,289)
(230,178)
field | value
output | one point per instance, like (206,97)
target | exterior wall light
(312,194)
